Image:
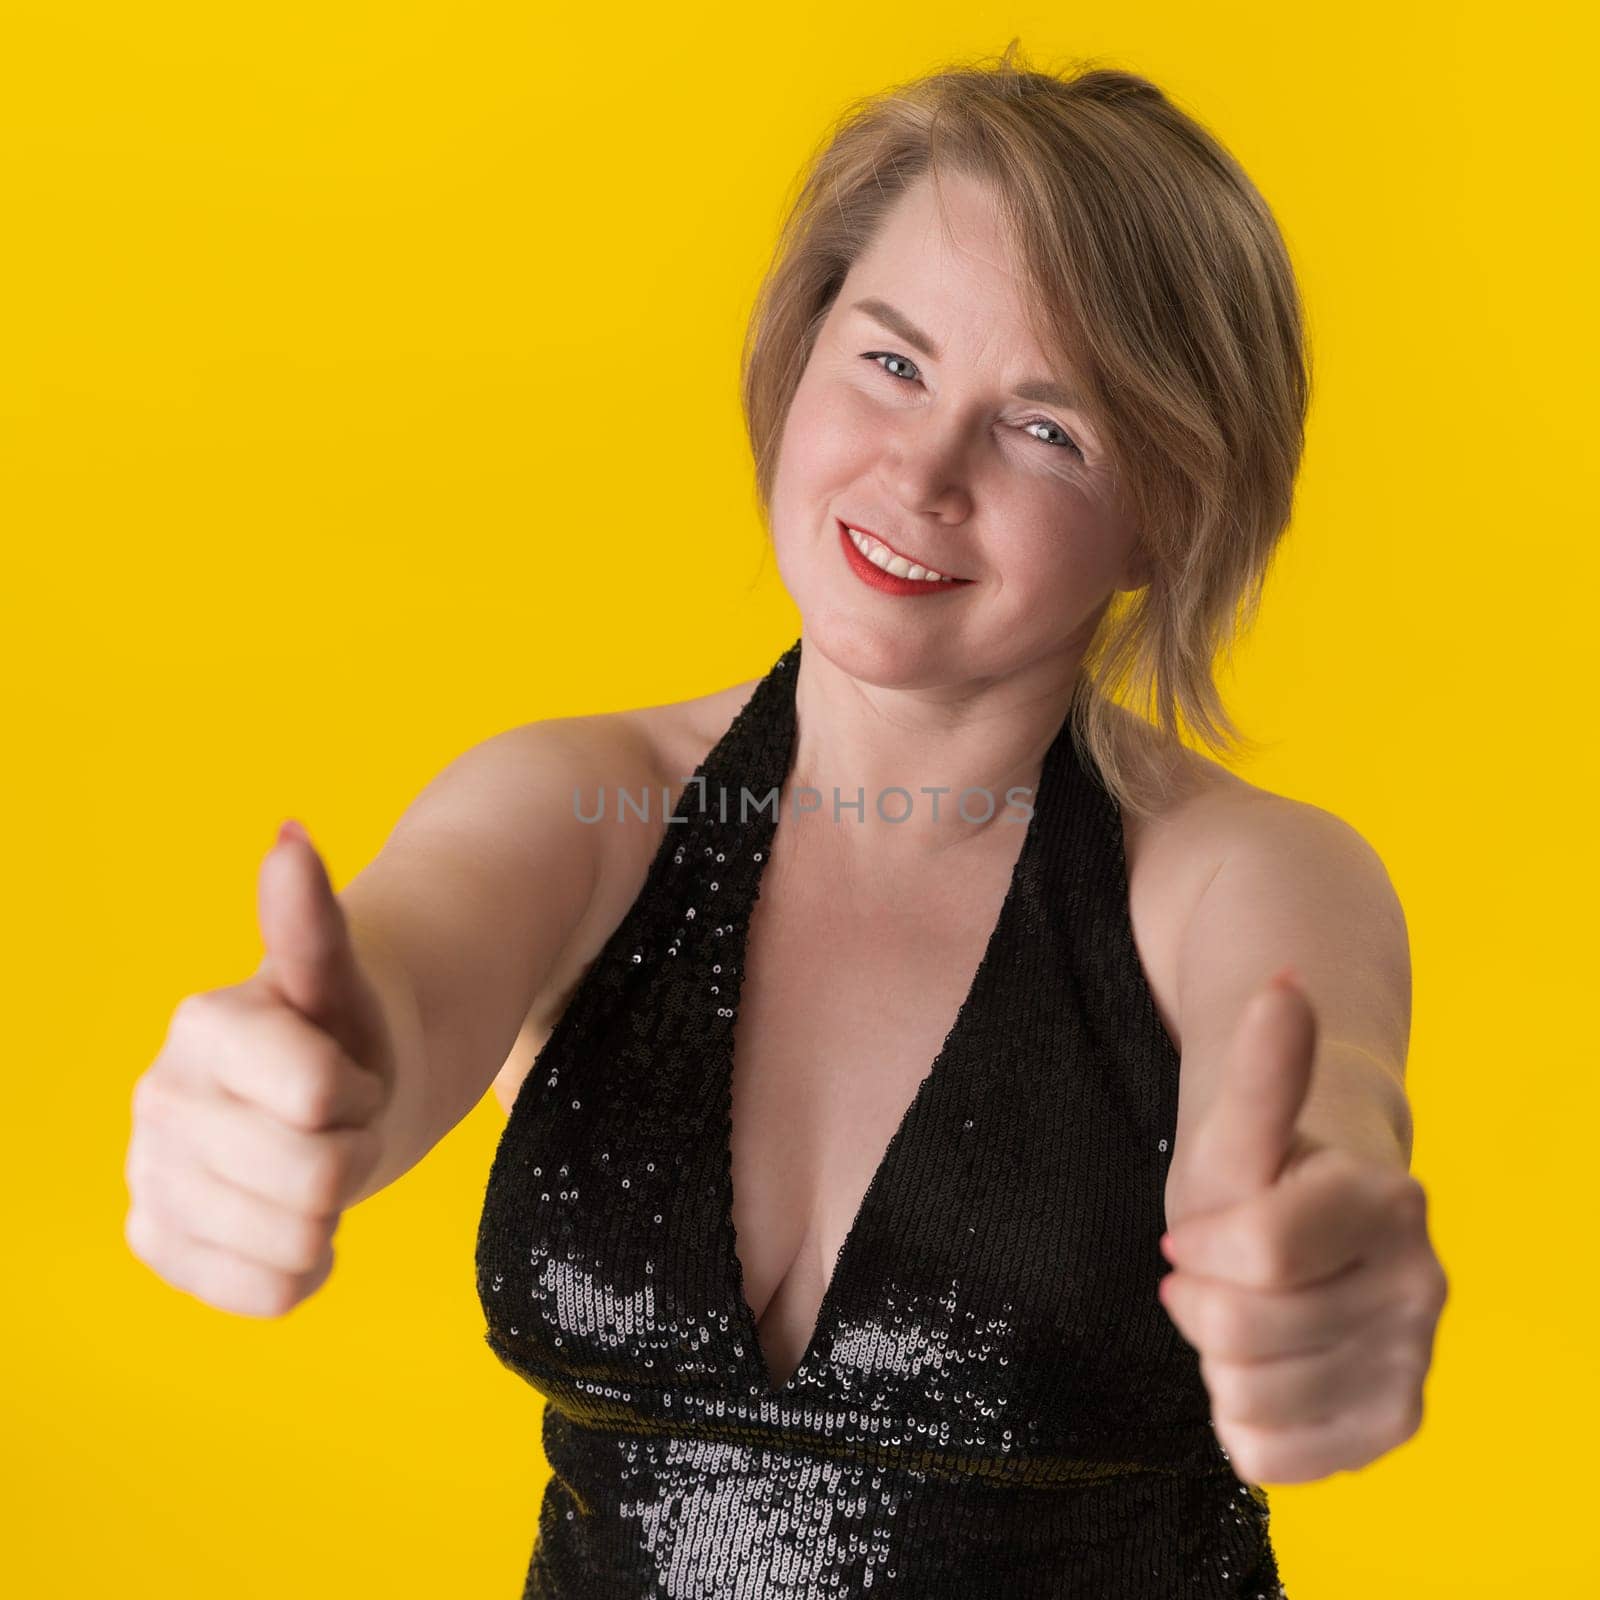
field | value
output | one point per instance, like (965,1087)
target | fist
(255,1125)
(1304,1276)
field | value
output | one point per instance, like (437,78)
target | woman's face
(906,424)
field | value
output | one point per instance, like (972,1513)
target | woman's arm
(464,915)
(1303,1272)
(1298,885)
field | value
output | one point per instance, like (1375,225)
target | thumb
(1245,1136)
(310,957)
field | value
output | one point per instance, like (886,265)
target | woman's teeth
(880,556)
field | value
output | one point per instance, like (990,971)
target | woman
(829,1218)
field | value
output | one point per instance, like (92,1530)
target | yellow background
(368,385)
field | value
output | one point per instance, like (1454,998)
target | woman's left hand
(1303,1273)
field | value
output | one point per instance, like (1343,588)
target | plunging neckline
(744,1312)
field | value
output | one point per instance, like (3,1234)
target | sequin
(993,1400)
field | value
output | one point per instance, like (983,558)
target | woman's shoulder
(675,737)
(652,750)
(1205,808)
(1206,815)
(1195,792)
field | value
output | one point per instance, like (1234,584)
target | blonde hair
(1160,276)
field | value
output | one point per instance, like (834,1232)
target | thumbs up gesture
(254,1126)
(1303,1274)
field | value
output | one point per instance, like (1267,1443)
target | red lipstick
(875,577)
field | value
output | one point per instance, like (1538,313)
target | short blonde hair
(1162,279)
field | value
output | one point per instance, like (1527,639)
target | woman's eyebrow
(1041,389)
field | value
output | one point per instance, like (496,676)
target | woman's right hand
(255,1125)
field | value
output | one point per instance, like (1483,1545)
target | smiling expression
(929,416)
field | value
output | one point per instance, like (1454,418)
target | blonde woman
(957,1142)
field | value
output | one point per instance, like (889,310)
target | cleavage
(842,1014)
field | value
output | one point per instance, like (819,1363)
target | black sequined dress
(993,1402)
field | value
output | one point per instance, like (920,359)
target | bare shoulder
(1211,813)
(1211,820)
(1175,846)
(657,748)
(677,736)
(646,748)
(1173,853)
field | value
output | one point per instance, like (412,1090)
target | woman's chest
(842,1013)
(848,996)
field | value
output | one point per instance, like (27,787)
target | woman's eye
(1066,443)
(889,355)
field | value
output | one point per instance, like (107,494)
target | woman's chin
(875,650)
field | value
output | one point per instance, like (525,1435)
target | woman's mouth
(884,569)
